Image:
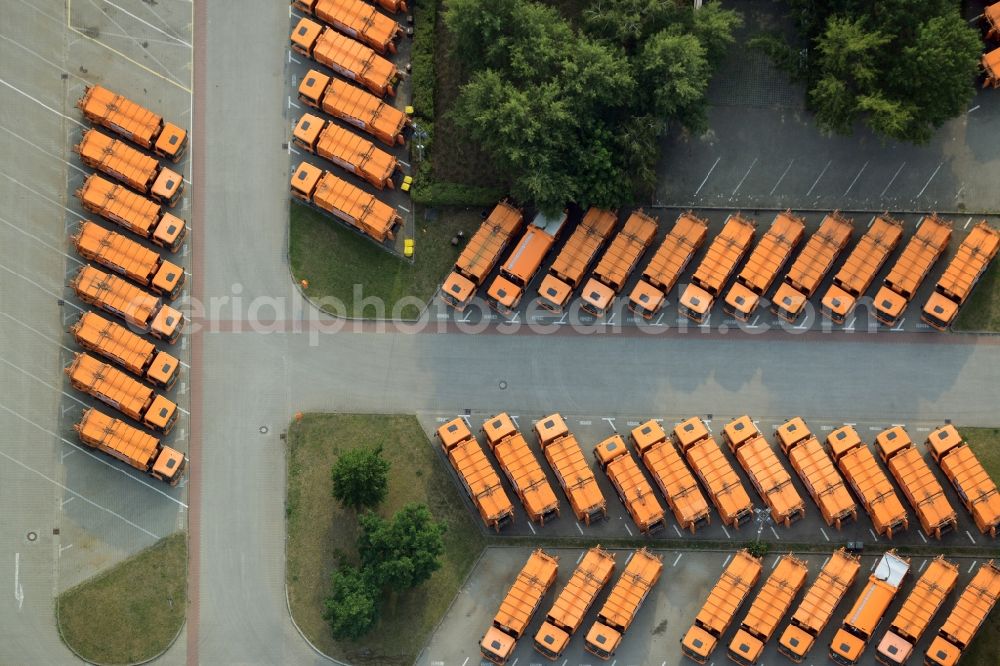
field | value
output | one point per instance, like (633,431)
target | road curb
(288,607)
(447,610)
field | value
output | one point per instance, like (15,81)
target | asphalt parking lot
(665,616)
(669,319)
(594,428)
(76,511)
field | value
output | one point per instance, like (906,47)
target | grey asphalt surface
(665,616)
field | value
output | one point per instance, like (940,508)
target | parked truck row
(346,57)
(134,122)
(350,152)
(355,19)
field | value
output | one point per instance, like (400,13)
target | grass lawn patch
(982,311)
(318,528)
(131,612)
(334,260)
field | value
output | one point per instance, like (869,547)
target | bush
(422,75)
(352,607)
(360,478)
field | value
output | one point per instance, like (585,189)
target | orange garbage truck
(350,152)
(480,255)
(966,618)
(116,389)
(132,212)
(565,457)
(355,107)
(130,259)
(920,254)
(967,475)
(992,16)
(716,474)
(346,202)
(575,258)
(667,264)
(573,602)
(129,303)
(523,263)
(814,467)
(349,58)
(642,571)
(811,266)
(960,277)
(860,268)
(357,20)
(133,122)
(476,473)
(914,476)
(767,474)
(732,589)
(519,606)
(618,262)
(718,264)
(134,168)
(762,267)
(920,607)
(991,69)
(131,445)
(126,349)
(668,470)
(818,605)
(859,625)
(630,484)
(869,482)
(521,467)
(768,608)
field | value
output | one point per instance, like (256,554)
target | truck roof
(111,109)
(970,261)
(766,472)
(581,247)
(863,263)
(346,201)
(819,253)
(991,63)
(639,576)
(359,20)
(129,395)
(923,602)
(719,477)
(763,264)
(915,477)
(130,165)
(869,481)
(359,107)
(634,490)
(670,473)
(116,202)
(516,458)
(347,57)
(524,595)
(115,294)
(484,248)
(625,249)
(125,256)
(724,253)
(529,252)
(126,443)
(878,593)
(690,431)
(921,252)
(827,591)
(973,482)
(113,340)
(992,14)
(345,148)
(570,607)
(821,478)
(481,479)
(729,593)
(669,261)
(975,603)
(571,467)
(770,604)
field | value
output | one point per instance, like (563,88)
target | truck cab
(169,466)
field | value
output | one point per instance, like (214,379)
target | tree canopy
(360,478)
(402,552)
(574,114)
(352,607)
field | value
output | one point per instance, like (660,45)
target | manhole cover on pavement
(32,536)
(503,385)
(263,430)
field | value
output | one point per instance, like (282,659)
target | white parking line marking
(62,548)
(824,534)
(582,553)
(922,536)
(929,180)
(968,534)
(707,175)
(726,531)
(466,659)
(43,104)
(18,590)
(402,207)
(659,319)
(148,24)
(891,181)
(976,106)
(783,174)
(966,225)
(816,182)
(679,535)
(679,556)
(872,532)
(740,184)
(898,327)
(851,186)
(67,501)
(579,528)
(728,557)
(629,558)
(972,566)
(774,532)
(611,422)
(776,560)
(922,565)
(612,319)
(531,527)
(628,530)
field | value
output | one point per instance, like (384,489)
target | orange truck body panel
(123,347)
(133,122)
(573,602)
(521,467)
(861,266)
(132,212)
(519,606)
(971,481)
(725,599)
(966,618)
(354,106)
(350,152)
(130,259)
(991,67)
(920,607)
(356,19)
(131,445)
(920,254)
(128,302)
(565,456)
(857,628)
(346,202)
(618,262)
(668,470)
(767,474)
(345,56)
(718,264)
(960,277)
(818,605)
(481,254)
(523,263)
(992,16)
(575,258)
(919,484)
(717,476)
(811,266)
(814,467)
(642,571)
(763,265)
(630,484)
(667,264)
(476,473)
(113,387)
(768,608)
(130,166)
(857,463)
